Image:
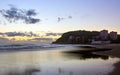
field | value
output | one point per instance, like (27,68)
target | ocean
(52,59)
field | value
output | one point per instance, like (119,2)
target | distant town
(104,37)
(89,37)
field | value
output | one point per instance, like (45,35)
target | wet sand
(115,52)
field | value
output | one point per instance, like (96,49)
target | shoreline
(115,52)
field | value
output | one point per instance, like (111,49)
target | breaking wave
(27,46)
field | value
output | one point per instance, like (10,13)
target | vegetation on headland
(82,37)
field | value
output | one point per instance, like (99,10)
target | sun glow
(32,39)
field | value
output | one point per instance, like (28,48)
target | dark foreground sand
(115,52)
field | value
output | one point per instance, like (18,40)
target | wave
(28,46)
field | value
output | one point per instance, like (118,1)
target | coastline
(115,52)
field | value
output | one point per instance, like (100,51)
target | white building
(104,34)
(71,37)
(100,42)
(113,35)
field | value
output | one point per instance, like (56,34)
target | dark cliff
(82,37)
(77,37)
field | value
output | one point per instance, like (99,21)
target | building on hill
(104,34)
(71,39)
(105,37)
(87,37)
(113,35)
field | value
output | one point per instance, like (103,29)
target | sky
(59,16)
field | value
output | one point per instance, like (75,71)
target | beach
(115,52)
(38,59)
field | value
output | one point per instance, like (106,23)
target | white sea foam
(27,46)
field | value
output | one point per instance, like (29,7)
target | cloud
(42,39)
(47,40)
(20,34)
(4,40)
(59,19)
(29,34)
(70,17)
(14,14)
(53,34)
(28,37)
(1,34)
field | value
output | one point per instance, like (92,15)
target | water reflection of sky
(54,63)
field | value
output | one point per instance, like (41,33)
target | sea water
(52,60)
